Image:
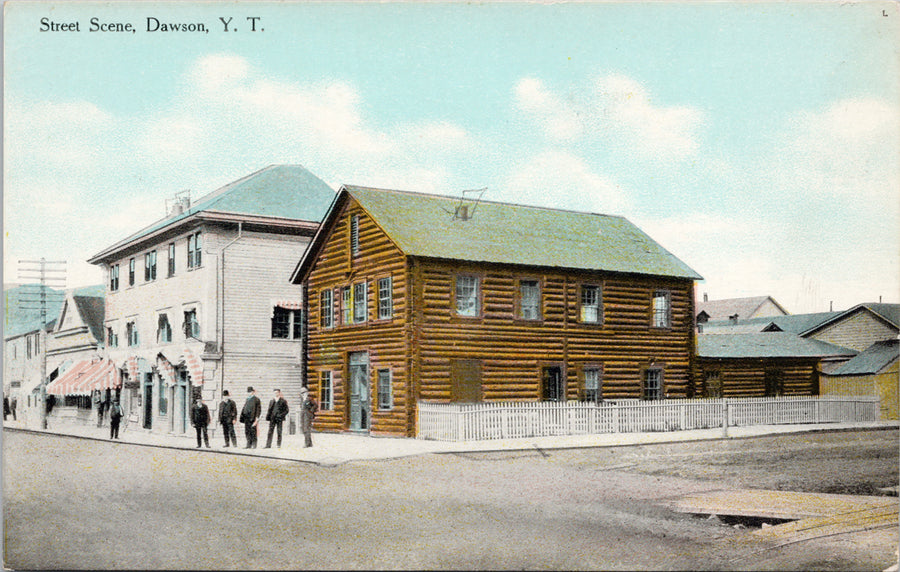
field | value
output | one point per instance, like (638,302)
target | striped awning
(289,304)
(194,365)
(86,376)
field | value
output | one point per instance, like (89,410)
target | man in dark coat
(250,417)
(115,417)
(200,421)
(278,410)
(308,410)
(227,417)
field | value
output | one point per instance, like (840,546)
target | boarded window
(465,380)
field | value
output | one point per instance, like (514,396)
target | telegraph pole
(49,274)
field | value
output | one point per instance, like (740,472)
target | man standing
(115,417)
(227,417)
(307,414)
(250,417)
(200,420)
(278,410)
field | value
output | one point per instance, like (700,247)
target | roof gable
(743,307)
(889,313)
(425,226)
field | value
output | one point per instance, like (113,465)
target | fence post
(726,413)
(616,407)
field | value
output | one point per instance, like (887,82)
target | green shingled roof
(765,345)
(282,191)
(424,225)
(877,357)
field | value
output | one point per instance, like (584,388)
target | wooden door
(359,391)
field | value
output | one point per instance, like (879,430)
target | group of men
(250,415)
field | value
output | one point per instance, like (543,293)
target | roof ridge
(480,201)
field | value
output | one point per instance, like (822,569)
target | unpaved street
(73,503)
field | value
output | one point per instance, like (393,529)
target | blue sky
(759,142)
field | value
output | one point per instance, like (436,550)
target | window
(713,384)
(171,259)
(662,309)
(131,332)
(360,306)
(163,401)
(193,250)
(325,391)
(552,386)
(529,300)
(131,270)
(114,277)
(593,390)
(385,299)
(346,305)
(28,349)
(354,235)
(590,304)
(286,324)
(150,266)
(326,303)
(191,325)
(385,390)
(112,338)
(652,384)
(467,295)
(163,330)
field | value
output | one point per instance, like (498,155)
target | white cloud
(559,179)
(616,111)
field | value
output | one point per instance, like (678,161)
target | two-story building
(422,297)
(200,302)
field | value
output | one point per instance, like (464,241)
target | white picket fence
(503,420)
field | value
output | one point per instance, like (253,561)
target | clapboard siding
(858,331)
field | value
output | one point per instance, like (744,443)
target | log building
(422,297)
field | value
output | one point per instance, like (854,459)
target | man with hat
(307,414)
(227,417)
(250,417)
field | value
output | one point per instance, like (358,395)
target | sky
(758,142)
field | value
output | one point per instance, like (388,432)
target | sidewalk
(331,449)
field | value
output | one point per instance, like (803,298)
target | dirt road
(83,504)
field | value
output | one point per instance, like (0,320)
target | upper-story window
(360,303)
(529,299)
(326,307)
(286,324)
(150,266)
(114,277)
(591,304)
(171,259)
(194,247)
(191,324)
(346,305)
(385,298)
(131,332)
(662,309)
(467,295)
(112,338)
(163,329)
(354,234)
(131,271)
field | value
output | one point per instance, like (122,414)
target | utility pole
(49,274)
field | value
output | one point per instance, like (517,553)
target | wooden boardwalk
(813,515)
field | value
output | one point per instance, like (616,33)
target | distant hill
(22,311)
